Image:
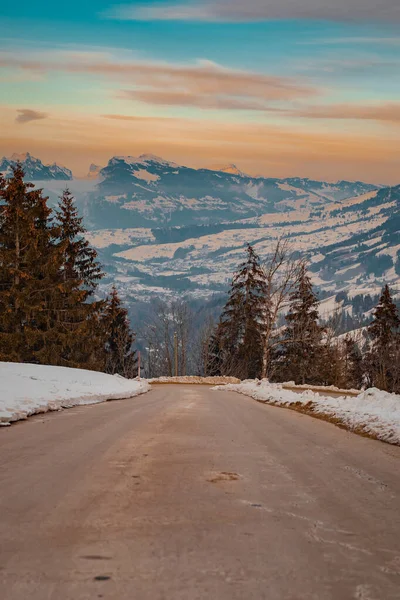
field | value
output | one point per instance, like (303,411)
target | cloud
(356,64)
(204,101)
(375,41)
(134,118)
(26,115)
(386,112)
(203,84)
(260,10)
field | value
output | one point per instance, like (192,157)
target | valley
(166,230)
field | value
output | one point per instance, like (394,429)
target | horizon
(21,156)
(281,91)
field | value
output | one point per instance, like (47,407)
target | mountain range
(34,169)
(167,230)
(149,191)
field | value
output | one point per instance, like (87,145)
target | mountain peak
(94,171)
(20,157)
(230,169)
(144,159)
(153,158)
(34,169)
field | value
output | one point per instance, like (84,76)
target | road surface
(191,494)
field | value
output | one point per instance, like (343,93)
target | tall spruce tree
(29,267)
(242,324)
(80,275)
(213,362)
(353,364)
(302,339)
(120,357)
(80,260)
(384,332)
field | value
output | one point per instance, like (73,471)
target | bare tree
(201,348)
(158,336)
(282,270)
(167,320)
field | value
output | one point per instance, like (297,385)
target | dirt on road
(191,494)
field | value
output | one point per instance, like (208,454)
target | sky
(309,88)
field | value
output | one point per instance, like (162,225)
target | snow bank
(373,412)
(195,380)
(291,385)
(28,389)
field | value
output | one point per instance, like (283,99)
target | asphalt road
(187,493)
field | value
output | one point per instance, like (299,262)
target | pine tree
(80,275)
(119,354)
(213,361)
(80,260)
(353,364)
(384,333)
(29,267)
(330,365)
(48,274)
(302,339)
(242,324)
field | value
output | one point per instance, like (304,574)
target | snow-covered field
(27,389)
(372,412)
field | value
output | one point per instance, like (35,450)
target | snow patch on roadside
(27,389)
(373,411)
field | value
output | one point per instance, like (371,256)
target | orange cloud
(385,112)
(203,84)
(198,100)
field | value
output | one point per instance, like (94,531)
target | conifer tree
(80,276)
(242,324)
(120,357)
(213,366)
(48,274)
(80,260)
(29,267)
(353,364)
(302,339)
(384,333)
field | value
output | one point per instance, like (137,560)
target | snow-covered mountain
(231,169)
(148,191)
(94,171)
(34,169)
(164,229)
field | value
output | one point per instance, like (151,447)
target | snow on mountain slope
(355,246)
(149,191)
(34,168)
(164,228)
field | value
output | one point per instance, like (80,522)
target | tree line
(270,327)
(50,312)
(250,341)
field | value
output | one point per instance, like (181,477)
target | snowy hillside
(352,245)
(28,389)
(148,191)
(34,168)
(167,229)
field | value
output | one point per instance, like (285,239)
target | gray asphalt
(187,493)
